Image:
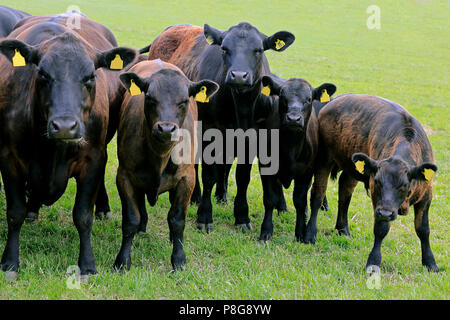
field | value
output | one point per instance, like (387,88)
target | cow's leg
(130,219)
(272,191)
(347,185)
(87,188)
(204,211)
(33,206)
(102,209)
(176,219)
(143,214)
(318,192)
(15,216)
(300,198)
(242,220)
(325,206)
(196,197)
(222,184)
(423,232)
(380,230)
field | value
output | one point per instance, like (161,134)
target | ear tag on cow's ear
(360,166)
(134,89)
(210,40)
(279,44)
(324,97)
(18,60)
(428,174)
(201,95)
(266,91)
(117,63)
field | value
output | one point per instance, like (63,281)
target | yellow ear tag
(266,91)
(360,166)
(134,89)
(210,40)
(18,60)
(324,97)
(428,174)
(279,44)
(117,63)
(201,96)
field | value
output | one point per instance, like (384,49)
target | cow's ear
(324,92)
(19,53)
(133,83)
(115,59)
(203,90)
(424,172)
(364,165)
(270,86)
(213,36)
(279,41)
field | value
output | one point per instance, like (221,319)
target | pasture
(405,61)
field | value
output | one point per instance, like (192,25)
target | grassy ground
(405,61)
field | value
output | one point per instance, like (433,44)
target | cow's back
(372,125)
(9,18)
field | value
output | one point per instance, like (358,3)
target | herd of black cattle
(64,92)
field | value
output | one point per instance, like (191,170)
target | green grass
(405,61)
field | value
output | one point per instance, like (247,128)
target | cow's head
(166,105)
(243,49)
(389,182)
(295,100)
(66,79)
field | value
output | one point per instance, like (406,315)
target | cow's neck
(244,106)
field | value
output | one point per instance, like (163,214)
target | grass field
(406,61)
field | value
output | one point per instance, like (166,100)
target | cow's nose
(166,127)
(294,118)
(239,77)
(384,215)
(64,128)
(164,130)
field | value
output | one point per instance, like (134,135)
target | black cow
(9,18)
(145,147)
(291,112)
(234,59)
(378,142)
(54,110)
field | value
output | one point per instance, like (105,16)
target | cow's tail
(145,49)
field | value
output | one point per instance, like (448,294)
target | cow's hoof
(343,231)
(265,236)
(432,268)
(208,227)
(31,217)
(103,215)
(244,227)
(310,238)
(178,261)
(11,275)
(325,207)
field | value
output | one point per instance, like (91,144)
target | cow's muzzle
(64,128)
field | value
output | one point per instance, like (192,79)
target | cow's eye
(225,50)
(44,76)
(89,80)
